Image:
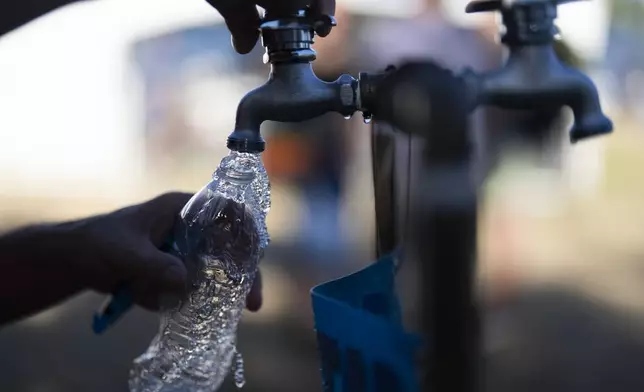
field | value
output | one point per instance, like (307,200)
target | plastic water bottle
(218,239)
(258,199)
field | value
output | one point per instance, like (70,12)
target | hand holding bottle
(123,247)
(46,264)
(219,235)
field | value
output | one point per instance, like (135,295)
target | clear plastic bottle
(218,239)
(258,199)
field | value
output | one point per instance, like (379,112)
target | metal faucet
(533,76)
(293,92)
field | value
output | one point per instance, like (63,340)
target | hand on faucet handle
(243,20)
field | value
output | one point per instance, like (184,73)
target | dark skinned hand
(124,246)
(46,264)
(243,20)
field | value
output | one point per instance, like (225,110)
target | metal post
(426,100)
(444,240)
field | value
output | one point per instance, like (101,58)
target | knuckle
(163,206)
(142,262)
(172,199)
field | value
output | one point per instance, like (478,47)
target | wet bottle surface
(218,239)
(258,198)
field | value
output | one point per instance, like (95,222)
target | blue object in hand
(118,303)
(114,307)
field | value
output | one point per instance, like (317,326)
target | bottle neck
(235,173)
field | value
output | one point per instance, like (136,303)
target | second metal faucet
(533,76)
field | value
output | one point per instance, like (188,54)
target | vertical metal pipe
(445,245)
(426,100)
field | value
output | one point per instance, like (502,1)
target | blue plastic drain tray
(362,344)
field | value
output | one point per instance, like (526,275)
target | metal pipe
(425,99)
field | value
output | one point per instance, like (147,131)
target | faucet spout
(293,93)
(590,120)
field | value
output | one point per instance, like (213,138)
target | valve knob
(499,5)
(323,25)
(527,22)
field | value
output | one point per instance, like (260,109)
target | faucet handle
(527,22)
(289,36)
(320,23)
(483,6)
(476,6)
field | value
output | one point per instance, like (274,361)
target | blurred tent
(71,103)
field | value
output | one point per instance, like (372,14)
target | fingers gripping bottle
(218,238)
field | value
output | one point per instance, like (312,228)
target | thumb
(161,213)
